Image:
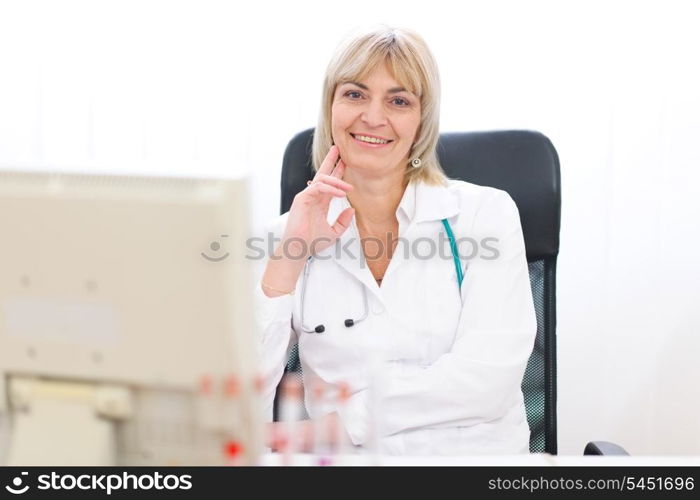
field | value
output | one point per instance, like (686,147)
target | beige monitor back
(134,284)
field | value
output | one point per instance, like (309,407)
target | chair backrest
(526,165)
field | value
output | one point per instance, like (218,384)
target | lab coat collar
(420,203)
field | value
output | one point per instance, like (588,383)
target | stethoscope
(351,322)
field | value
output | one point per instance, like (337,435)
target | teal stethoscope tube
(352,322)
(455,252)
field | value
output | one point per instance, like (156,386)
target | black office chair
(526,165)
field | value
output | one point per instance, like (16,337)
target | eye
(400,101)
(352,94)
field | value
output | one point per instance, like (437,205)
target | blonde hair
(413,67)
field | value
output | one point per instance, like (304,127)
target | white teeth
(372,140)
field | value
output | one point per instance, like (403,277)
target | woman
(434,360)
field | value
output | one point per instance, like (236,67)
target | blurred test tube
(344,446)
(290,409)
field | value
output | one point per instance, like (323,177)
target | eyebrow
(393,90)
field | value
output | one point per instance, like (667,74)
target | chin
(369,166)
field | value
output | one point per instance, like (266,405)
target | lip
(369,144)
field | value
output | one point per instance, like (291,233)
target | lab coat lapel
(421,203)
(347,251)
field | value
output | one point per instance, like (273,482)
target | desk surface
(532,460)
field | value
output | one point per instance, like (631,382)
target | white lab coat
(437,372)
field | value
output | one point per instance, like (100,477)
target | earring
(415,163)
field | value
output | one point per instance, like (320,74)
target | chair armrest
(604,448)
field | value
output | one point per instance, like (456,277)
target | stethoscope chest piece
(322,328)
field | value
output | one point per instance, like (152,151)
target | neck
(376,199)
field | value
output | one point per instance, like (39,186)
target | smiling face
(375,122)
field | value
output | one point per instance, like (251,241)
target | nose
(374,114)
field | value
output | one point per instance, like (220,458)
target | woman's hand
(332,434)
(307,230)
(307,225)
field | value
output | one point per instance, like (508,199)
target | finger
(339,169)
(334,181)
(322,187)
(343,221)
(329,161)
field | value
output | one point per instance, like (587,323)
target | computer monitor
(126,328)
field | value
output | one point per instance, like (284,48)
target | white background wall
(218,88)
